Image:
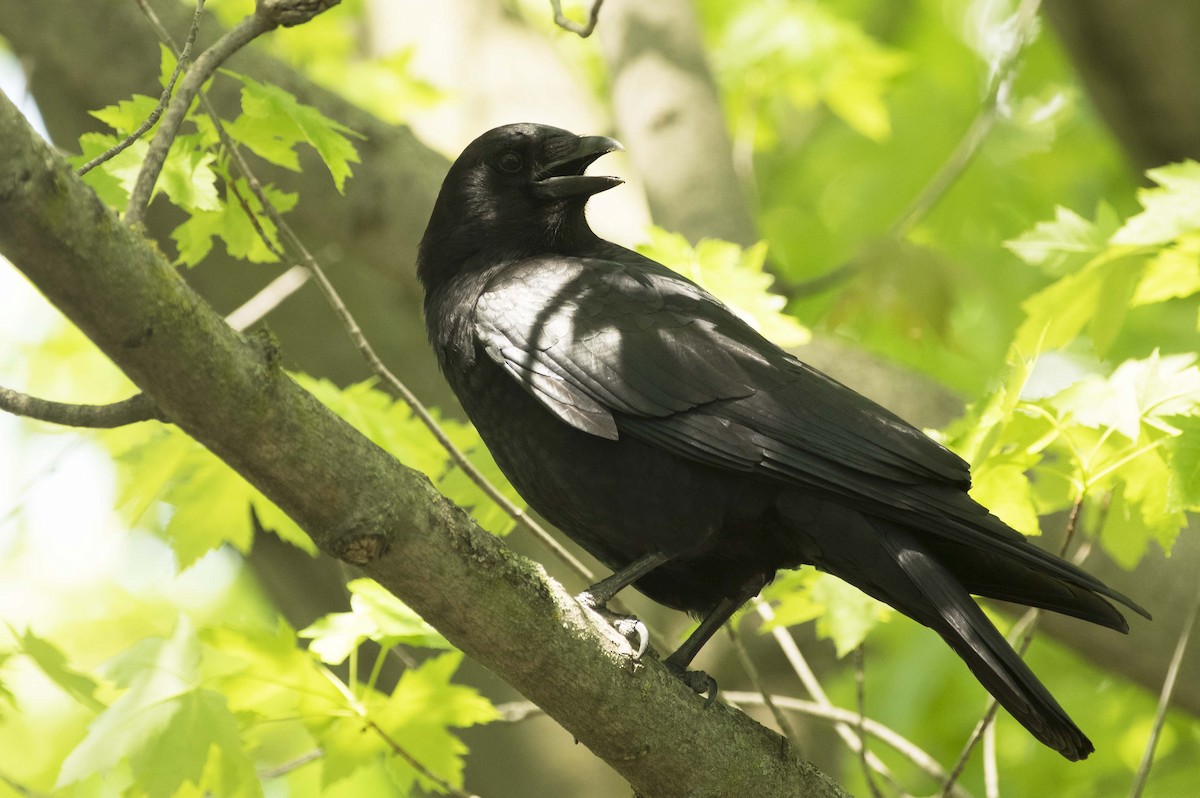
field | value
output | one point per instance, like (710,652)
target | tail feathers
(931,595)
(1001,577)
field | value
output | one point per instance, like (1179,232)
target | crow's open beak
(563,177)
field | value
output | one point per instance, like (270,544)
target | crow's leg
(598,595)
(678,662)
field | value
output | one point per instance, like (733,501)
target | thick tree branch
(359,504)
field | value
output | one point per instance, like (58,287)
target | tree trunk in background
(1140,62)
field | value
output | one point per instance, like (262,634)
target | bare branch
(860,689)
(800,665)
(266,300)
(133,410)
(836,715)
(288,767)
(245,32)
(756,679)
(1164,700)
(584,29)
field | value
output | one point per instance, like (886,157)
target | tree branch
(362,506)
(245,32)
(584,29)
(129,411)
(180,63)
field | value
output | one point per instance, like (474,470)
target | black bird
(688,453)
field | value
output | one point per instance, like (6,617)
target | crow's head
(516,190)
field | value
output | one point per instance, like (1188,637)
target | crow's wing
(628,347)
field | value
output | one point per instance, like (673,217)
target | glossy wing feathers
(586,335)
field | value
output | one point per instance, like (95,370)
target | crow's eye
(510,162)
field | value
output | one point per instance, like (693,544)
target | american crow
(688,453)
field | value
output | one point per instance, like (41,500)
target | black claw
(700,682)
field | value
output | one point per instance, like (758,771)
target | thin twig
(860,689)
(813,686)
(164,35)
(517,711)
(1164,699)
(288,767)
(835,715)
(21,789)
(955,164)
(756,679)
(165,98)
(136,408)
(583,29)
(231,184)
(991,773)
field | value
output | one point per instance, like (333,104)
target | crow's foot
(700,682)
(628,626)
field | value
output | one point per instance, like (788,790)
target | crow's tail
(902,573)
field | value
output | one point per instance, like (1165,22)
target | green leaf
(187,176)
(419,715)
(375,615)
(159,674)
(1171,210)
(1063,246)
(210,501)
(805,54)
(112,180)
(277,120)
(230,223)
(1172,273)
(1183,455)
(1002,486)
(53,663)
(844,614)
(976,435)
(166,65)
(200,744)
(1128,533)
(1094,298)
(212,508)
(1136,392)
(265,672)
(127,115)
